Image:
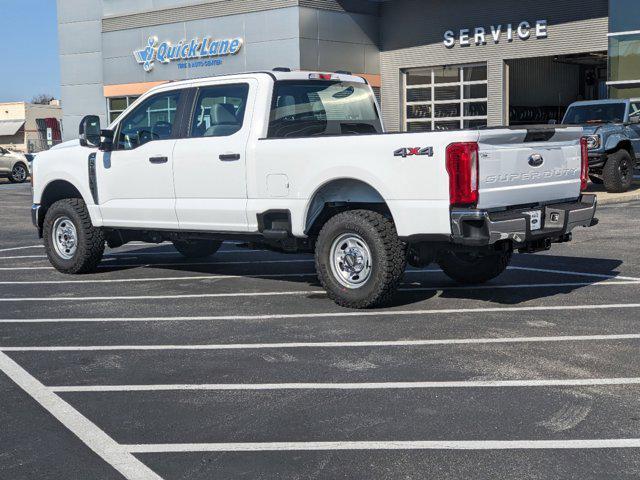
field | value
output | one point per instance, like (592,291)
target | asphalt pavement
(239,367)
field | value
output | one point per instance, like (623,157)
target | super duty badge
(411,151)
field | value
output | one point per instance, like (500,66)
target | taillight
(584,168)
(462,166)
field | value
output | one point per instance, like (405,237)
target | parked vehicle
(298,161)
(612,130)
(14,166)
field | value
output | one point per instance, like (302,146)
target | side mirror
(90,131)
(553,121)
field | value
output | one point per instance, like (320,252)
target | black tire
(89,240)
(19,173)
(472,269)
(196,248)
(595,179)
(618,172)
(386,265)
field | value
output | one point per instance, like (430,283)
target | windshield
(313,108)
(603,113)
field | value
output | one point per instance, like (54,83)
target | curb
(612,201)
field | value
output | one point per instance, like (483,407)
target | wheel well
(56,190)
(341,195)
(625,145)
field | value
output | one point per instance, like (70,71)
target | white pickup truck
(299,161)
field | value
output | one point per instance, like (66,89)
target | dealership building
(435,64)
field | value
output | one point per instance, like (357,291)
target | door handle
(229,157)
(158,159)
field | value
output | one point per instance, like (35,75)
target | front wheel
(618,172)
(196,248)
(71,242)
(359,259)
(474,268)
(19,173)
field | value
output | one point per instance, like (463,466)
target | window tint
(314,108)
(152,120)
(219,110)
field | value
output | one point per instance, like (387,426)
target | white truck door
(210,163)
(135,180)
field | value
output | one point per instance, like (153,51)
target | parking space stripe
(132,254)
(361,314)
(355,344)
(573,382)
(172,264)
(569,272)
(20,248)
(157,279)
(102,444)
(307,292)
(387,445)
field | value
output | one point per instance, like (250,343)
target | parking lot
(240,367)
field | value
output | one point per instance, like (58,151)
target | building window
(624,58)
(445,98)
(117,105)
(624,15)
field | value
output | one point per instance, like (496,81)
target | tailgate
(527,165)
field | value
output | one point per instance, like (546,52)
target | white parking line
(20,248)
(355,344)
(97,440)
(387,445)
(172,264)
(361,314)
(156,279)
(161,297)
(569,272)
(308,292)
(573,382)
(133,254)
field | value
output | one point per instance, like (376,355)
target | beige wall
(29,113)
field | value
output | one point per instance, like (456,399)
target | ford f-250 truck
(298,161)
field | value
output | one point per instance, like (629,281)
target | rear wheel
(197,248)
(359,259)
(474,268)
(19,173)
(618,172)
(71,242)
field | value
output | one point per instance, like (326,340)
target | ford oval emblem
(536,160)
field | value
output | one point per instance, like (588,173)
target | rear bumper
(479,227)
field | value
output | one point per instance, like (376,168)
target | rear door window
(219,110)
(316,108)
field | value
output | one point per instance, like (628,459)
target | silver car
(14,166)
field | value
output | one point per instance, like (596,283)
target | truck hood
(600,128)
(68,144)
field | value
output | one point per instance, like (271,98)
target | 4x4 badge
(411,151)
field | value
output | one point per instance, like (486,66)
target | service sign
(524,30)
(192,53)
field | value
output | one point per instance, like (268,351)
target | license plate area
(535,219)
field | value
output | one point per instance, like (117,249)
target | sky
(29,49)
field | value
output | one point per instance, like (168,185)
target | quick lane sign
(194,49)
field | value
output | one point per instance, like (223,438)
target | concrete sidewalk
(605,198)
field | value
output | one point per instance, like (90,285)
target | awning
(10,127)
